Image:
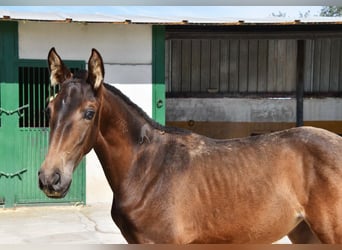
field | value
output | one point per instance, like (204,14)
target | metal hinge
(11,175)
(11,112)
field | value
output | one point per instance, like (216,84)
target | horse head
(73,120)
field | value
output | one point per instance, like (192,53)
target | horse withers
(175,186)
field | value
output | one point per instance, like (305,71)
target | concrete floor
(90,224)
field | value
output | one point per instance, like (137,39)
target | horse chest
(144,225)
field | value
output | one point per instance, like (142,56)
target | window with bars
(35,91)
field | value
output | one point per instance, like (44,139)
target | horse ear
(58,71)
(95,69)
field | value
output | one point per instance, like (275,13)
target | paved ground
(90,224)
(59,224)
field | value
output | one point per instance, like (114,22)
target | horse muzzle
(54,184)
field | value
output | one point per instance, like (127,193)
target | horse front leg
(125,228)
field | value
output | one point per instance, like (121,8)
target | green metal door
(34,93)
(24,136)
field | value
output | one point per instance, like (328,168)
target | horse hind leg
(324,215)
(327,227)
(302,234)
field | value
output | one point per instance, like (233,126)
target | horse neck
(119,131)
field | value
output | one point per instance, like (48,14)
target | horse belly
(266,231)
(263,224)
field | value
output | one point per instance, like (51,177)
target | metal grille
(34,92)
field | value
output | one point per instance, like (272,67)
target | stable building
(217,78)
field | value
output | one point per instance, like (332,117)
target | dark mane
(151,122)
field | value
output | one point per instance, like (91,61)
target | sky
(184,11)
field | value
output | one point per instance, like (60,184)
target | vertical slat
(176,64)
(205,65)
(280,63)
(40,98)
(224,65)
(253,66)
(20,94)
(215,64)
(317,65)
(243,66)
(196,65)
(186,66)
(325,66)
(36,98)
(27,96)
(290,66)
(272,66)
(262,65)
(335,64)
(308,72)
(32,97)
(45,97)
(37,83)
(237,62)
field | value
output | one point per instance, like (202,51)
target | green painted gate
(24,92)
(24,136)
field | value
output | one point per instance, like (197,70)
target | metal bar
(41,98)
(300,83)
(34,85)
(44,100)
(28,97)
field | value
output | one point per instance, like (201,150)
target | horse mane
(154,124)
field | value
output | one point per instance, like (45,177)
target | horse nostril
(56,179)
(51,182)
(41,180)
(41,185)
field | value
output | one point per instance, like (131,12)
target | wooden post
(300,83)
(158,73)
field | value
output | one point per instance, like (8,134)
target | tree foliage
(304,15)
(279,14)
(332,11)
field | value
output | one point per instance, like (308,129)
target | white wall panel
(118,43)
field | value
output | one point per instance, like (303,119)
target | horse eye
(89,114)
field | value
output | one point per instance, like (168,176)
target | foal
(175,186)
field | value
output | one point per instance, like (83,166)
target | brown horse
(175,186)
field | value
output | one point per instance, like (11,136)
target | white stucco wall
(127,54)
